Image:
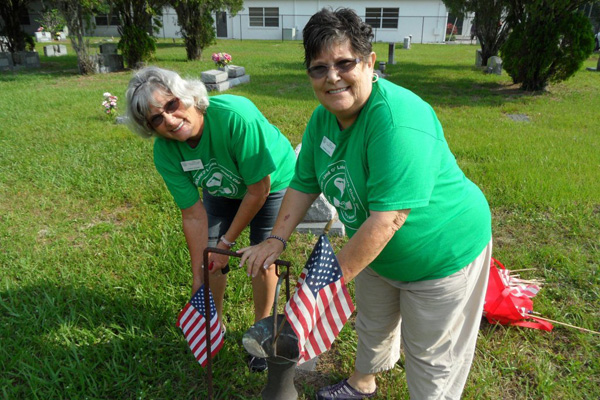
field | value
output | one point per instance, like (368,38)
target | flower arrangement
(110,104)
(221,59)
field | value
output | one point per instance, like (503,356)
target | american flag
(321,304)
(192,322)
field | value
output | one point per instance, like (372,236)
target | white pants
(437,320)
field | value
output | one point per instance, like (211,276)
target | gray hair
(147,81)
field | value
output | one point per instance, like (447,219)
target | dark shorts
(222,210)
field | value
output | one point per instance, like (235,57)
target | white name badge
(192,165)
(327,146)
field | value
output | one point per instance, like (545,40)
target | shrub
(136,45)
(546,47)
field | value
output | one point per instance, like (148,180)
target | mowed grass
(94,267)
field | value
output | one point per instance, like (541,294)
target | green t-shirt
(393,157)
(239,147)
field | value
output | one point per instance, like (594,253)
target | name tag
(327,146)
(192,165)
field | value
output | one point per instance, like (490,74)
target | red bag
(504,305)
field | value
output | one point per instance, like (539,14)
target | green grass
(93,263)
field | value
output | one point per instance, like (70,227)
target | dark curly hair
(327,28)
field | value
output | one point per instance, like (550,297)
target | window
(267,16)
(382,17)
(102,20)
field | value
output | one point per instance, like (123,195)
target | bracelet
(227,242)
(282,240)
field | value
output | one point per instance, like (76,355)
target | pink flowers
(110,104)
(221,59)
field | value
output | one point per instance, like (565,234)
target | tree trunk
(73,14)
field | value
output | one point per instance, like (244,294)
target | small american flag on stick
(192,322)
(321,305)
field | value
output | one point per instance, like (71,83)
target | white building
(392,20)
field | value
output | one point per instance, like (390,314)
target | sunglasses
(342,67)
(170,107)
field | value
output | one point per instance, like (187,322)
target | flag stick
(565,324)
(520,270)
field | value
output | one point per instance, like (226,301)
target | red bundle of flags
(508,300)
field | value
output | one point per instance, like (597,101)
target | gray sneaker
(342,391)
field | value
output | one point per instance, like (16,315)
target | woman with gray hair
(226,147)
(420,231)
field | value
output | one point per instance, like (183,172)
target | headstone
(495,65)
(6,61)
(218,86)
(108,48)
(519,117)
(106,63)
(478,58)
(213,76)
(391,51)
(55,50)
(3,44)
(43,37)
(27,59)
(235,71)
(319,214)
(406,43)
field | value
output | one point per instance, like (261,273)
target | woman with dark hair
(420,231)
(226,147)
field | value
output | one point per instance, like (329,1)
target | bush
(136,45)
(545,48)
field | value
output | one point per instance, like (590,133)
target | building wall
(424,20)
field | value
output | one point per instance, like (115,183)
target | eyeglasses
(342,67)
(170,107)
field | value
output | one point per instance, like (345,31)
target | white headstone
(235,71)
(495,65)
(213,76)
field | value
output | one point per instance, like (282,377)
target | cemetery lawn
(94,267)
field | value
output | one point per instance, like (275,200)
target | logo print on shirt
(218,181)
(339,190)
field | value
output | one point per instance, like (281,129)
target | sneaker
(257,364)
(342,391)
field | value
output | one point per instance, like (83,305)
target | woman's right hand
(261,256)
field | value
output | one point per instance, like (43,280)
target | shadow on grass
(64,341)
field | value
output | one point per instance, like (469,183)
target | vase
(224,68)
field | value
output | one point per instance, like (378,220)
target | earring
(375,77)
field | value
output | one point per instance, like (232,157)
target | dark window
(264,16)
(382,17)
(102,20)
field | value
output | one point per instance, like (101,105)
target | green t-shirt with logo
(393,157)
(239,147)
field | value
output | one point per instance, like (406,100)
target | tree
(137,43)
(491,27)
(549,42)
(197,24)
(11,11)
(78,14)
(52,21)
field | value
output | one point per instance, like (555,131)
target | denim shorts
(222,210)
